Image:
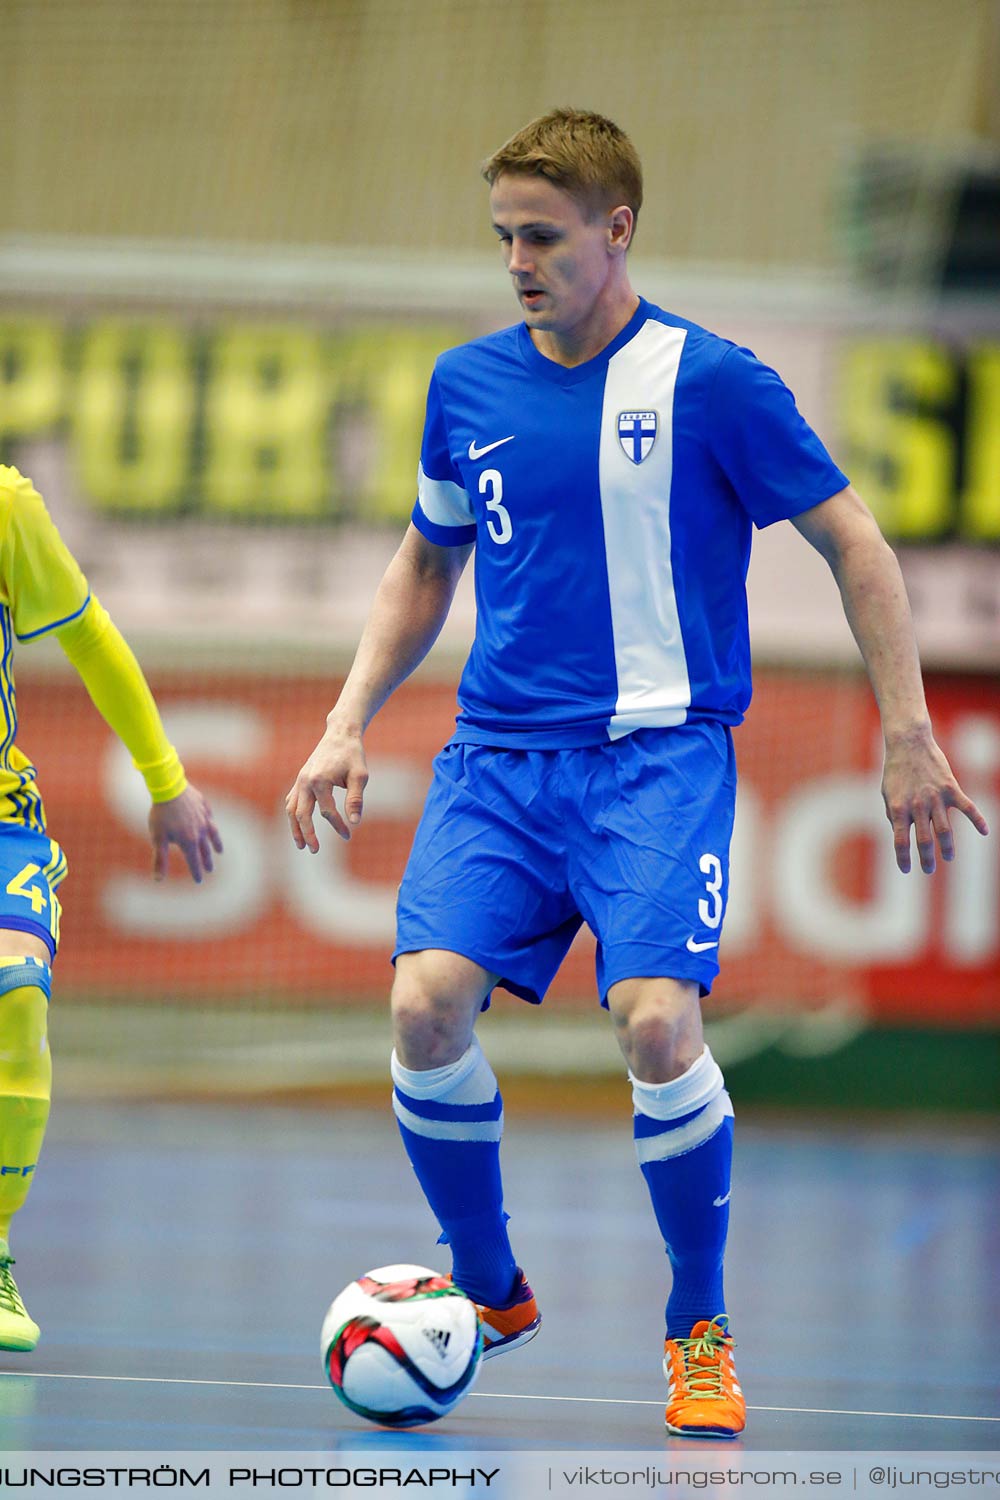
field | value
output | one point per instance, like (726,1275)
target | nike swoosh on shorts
(475,452)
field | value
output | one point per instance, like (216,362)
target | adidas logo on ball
(440,1338)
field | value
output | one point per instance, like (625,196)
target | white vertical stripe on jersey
(442,501)
(653,685)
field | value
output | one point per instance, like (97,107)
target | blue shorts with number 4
(31,867)
(517,848)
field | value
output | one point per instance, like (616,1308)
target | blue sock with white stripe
(451,1121)
(684,1141)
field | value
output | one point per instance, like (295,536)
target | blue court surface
(180,1260)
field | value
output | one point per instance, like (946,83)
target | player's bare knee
(658,1027)
(429,1030)
(658,1048)
(436,997)
(429,1037)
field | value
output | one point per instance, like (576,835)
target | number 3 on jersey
(491,481)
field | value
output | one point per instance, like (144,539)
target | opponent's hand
(919,788)
(337,761)
(187,822)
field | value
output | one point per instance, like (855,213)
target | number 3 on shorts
(18,886)
(711,912)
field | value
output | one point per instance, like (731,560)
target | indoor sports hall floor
(180,1261)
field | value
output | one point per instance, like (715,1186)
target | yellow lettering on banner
(31,376)
(980,502)
(266,409)
(398,367)
(134,416)
(903,447)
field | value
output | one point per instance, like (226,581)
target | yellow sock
(25,1078)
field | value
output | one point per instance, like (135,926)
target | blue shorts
(31,867)
(517,848)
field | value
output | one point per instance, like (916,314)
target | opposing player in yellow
(43,591)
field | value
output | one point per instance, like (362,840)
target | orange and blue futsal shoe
(508,1327)
(704,1398)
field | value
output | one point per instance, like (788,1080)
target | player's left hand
(187,822)
(919,788)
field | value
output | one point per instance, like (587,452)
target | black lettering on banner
(284,422)
(133,415)
(921,428)
(265,423)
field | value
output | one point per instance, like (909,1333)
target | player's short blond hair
(585,154)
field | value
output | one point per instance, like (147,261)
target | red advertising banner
(818,917)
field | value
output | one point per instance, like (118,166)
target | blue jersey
(612,507)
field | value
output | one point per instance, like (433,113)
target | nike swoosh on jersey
(475,452)
(721,1202)
(694,947)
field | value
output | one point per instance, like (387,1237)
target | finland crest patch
(637,433)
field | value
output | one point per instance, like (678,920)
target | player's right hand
(337,761)
(919,789)
(186,820)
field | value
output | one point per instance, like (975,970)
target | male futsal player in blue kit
(607,460)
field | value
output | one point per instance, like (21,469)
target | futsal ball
(401,1345)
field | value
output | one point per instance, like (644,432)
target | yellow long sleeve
(121,694)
